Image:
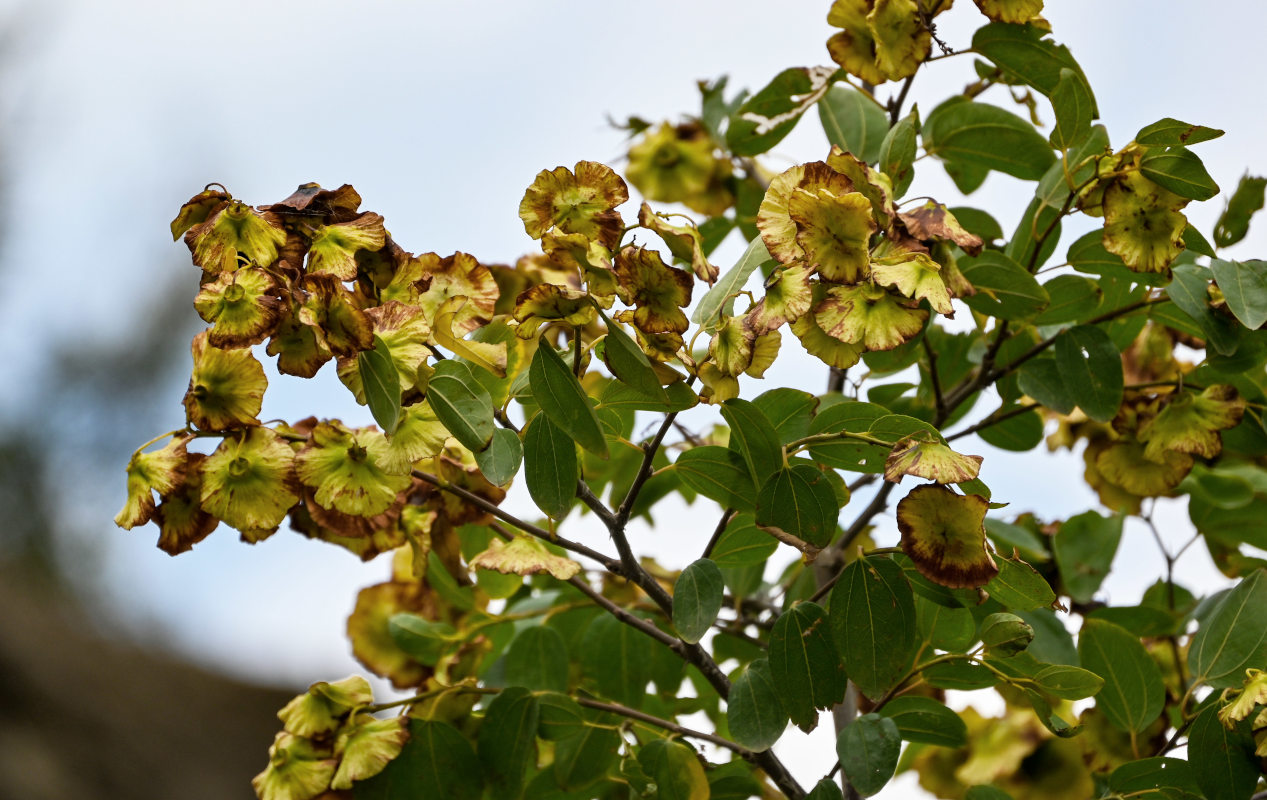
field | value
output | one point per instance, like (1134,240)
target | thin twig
(642,716)
(726,516)
(608,562)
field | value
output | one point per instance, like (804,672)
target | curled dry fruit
(944,535)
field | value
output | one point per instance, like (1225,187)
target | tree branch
(631,713)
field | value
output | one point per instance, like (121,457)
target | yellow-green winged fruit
(226,389)
(576,201)
(366,746)
(235,228)
(930,459)
(524,555)
(868,315)
(243,307)
(248,480)
(657,291)
(1142,223)
(677,164)
(943,533)
(157,471)
(1190,423)
(320,711)
(346,469)
(298,769)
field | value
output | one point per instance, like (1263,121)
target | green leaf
(754,438)
(382,384)
(805,663)
(1171,132)
(501,459)
(944,627)
(986,136)
(1087,254)
(720,300)
(614,657)
(962,675)
(508,741)
(754,711)
(1074,107)
(1179,170)
(559,716)
(854,417)
(538,659)
(1244,285)
(868,749)
(1154,773)
(1233,637)
(986,793)
(628,363)
(1068,682)
(675,769)
(1020,433)
(897,152)
(1004,289)
(1146,621)
(1188,290)
(582,759)
(1040,379)
(1133,693)
(1194,241)
(771,114)
(561,397)
(1091,368)
(719,474)
(1024,56)
(1073,298)
(872,615)
(743,544)
(800,501)
(422,639)
(923,719)
(1008,537)
(1018,586)
(1223,761)
(697,597)
(1233,224)
(437,761)
(789,411)
(462,404)
(1036,235)
(551,468)
(825,789)
(1084,548)
(616,395)
(853,122)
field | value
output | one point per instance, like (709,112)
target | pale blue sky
(441,114)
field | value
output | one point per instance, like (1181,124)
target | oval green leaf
(462,404)
(800,501)
(381,382)
(753,437)
(1179,170)
(551,469)
(754,711)
(872,615)
(853,122)
(743,544)
(538,659)
(1133,693)
(1004,289)
(897,153)
(1091,368)
(1233,637)
(868,749)
(508,741)
(437,761)
(501,459)
(805,663)
(923,719)
(719,474)
(675,769)
(986,136)
(720,299)
(697,597)
(561,397)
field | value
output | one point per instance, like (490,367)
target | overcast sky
(441,114)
